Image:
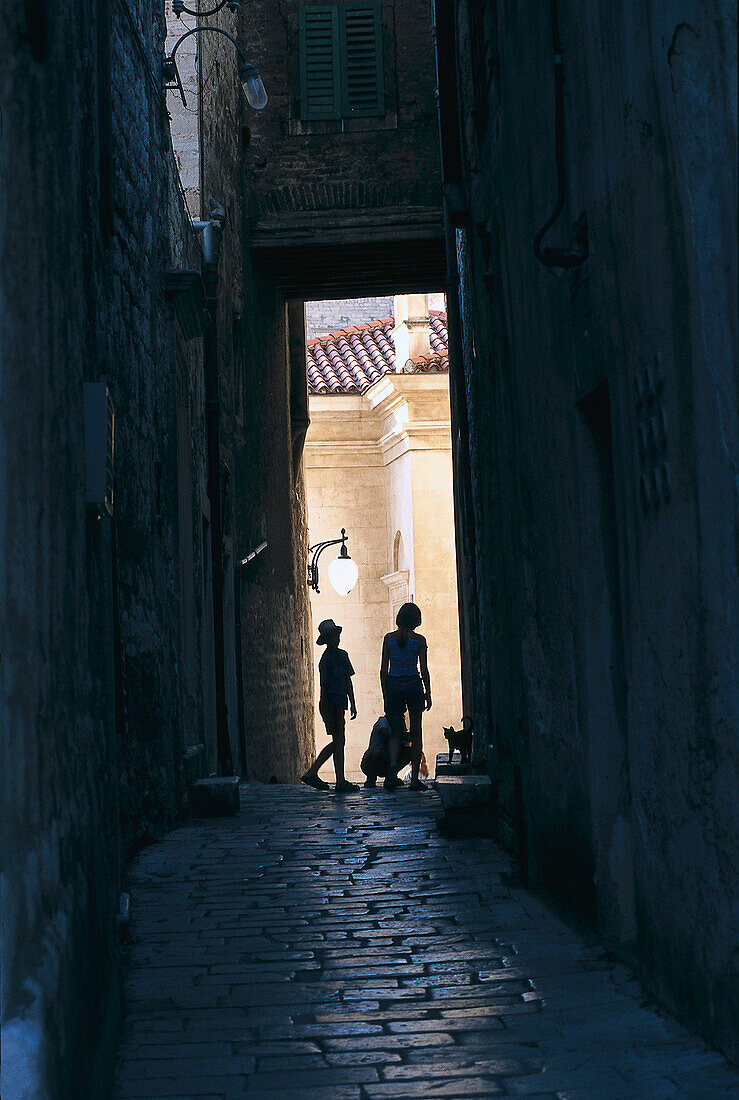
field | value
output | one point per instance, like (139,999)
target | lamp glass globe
(343,574)
(256,93)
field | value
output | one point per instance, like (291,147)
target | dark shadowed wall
(98,698)
(602,449)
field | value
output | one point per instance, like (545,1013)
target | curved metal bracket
(316,550)
(171,72)
(179,9)
(199,30)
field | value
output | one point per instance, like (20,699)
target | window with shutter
(320,83)
(362,89)
(341,66)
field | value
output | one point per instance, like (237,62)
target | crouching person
(385,753)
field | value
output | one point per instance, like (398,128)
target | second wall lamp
(342,572)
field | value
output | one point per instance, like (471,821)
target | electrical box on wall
(99,446)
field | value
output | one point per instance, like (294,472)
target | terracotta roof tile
(351,360)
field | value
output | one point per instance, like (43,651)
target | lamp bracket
(179,9)
(172,78)
(316,550)
(171,73)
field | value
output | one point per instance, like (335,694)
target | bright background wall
(379,465)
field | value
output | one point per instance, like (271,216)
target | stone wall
(150,235)
(324,317)
(58,893)
(270,504)
(602,444)
(92,694)
(263,409)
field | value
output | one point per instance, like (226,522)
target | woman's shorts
(406,694)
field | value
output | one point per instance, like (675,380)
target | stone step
(461,791)
(215,797)
(450,764)
(468,803)
(194,763)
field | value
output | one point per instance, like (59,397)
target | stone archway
(397,581)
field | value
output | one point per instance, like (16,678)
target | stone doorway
(378,463)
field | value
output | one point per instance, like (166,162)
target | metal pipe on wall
(574,255)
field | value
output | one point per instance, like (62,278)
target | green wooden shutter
(320,86)
(362,77)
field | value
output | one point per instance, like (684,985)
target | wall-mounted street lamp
(254,89)
(342,572)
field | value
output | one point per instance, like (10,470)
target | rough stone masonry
(94,697)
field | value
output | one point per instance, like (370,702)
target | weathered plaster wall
(607,603)
(435,585)
(91,697)
(346,487)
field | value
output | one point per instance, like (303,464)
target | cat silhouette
(460,739)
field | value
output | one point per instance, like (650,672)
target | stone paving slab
(321,947)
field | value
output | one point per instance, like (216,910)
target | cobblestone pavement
(339,947)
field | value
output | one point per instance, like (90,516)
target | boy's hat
(328,626)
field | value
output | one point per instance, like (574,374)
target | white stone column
(411,334)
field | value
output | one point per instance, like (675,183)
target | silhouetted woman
(406,685)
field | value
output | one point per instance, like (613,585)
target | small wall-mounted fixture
(342,572)
(252,554)
(99,423)
(576,254)
(254,89)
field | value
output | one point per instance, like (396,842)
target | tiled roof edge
(366,327)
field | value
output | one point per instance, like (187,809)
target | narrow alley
(322,323)
(320,947)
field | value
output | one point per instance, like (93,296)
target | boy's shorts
(334,719)
(407,694)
